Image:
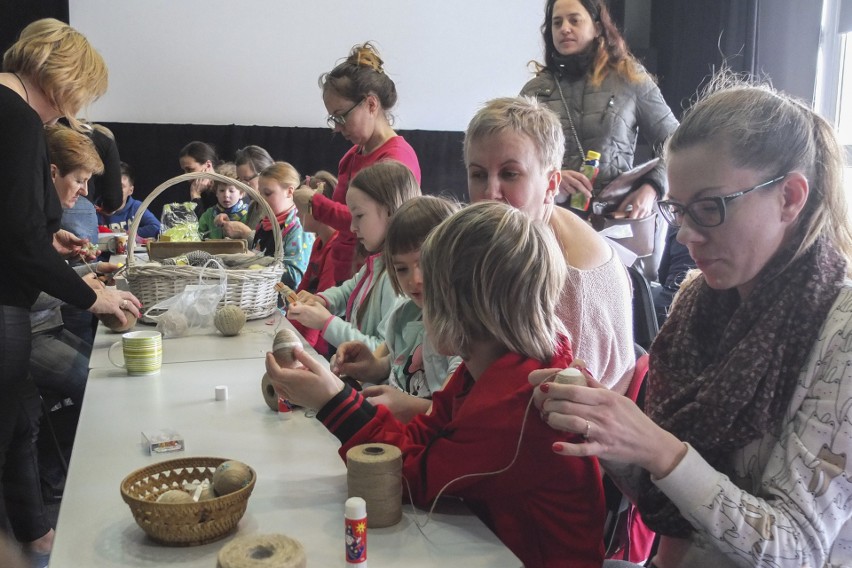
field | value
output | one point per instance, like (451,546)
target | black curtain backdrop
(693,39)
(152,152)
(689,40)
(16,14)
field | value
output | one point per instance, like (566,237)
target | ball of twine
(229,320)
(230,476)
(263,551)
(374,473)
(172,324)
(283,345)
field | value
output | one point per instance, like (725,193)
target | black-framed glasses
(248,179)
(335,120)
(706,211)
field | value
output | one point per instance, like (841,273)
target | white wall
(257,61)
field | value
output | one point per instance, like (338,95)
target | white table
(252,343)
(300,491)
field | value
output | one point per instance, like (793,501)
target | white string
(465,476)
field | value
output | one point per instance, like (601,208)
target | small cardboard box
(164,440)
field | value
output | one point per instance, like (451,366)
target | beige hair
(390,184)
(70,150)
(520,115)
(227,169)
(62,63)
(410,226)
(492,273)
(763,129)
(282,172)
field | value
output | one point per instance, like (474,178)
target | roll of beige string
(262,551)
(375,474)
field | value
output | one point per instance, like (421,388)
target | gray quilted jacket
(608,119)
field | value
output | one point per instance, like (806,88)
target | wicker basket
(183,524)
(252,290)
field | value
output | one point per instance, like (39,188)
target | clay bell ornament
(229,320)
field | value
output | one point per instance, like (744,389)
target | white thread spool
(374,473)
(221,392)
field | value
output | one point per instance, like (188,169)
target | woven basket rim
(180,463)
(134,226)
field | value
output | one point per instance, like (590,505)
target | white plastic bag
(193,310)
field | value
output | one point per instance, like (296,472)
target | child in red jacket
(492,279)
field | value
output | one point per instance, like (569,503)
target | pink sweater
(597,308)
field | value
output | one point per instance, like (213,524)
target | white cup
(143,352)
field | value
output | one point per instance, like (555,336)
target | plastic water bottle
(590,169)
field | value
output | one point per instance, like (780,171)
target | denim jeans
(20,410)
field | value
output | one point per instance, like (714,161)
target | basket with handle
(253,290)
(183,524)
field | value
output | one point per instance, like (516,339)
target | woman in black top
(51,71)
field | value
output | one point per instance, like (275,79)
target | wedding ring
(588,430)
(123,304)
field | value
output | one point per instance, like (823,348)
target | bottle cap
(356,508)
(592,155)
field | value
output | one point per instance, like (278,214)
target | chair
(626,537)
(645,326)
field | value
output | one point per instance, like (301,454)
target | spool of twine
(270,397)
(374,473)
(262,551)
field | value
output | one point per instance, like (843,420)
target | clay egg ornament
(112,322)
(231,476)
(284,345)
(229,320)
(175,496)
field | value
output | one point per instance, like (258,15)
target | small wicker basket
(183,524)
(252,290)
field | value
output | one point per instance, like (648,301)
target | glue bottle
(356,532)
(589,169)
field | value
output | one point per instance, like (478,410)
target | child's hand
(354,359)
(235,229)
(311,385)
(306,297)
(220,219)
(302,198)
(311,314)
(401,404)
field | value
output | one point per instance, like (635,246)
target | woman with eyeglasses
(741,459)
(359,96)
(250,161)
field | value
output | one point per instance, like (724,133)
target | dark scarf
(723,371)
(574,66)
